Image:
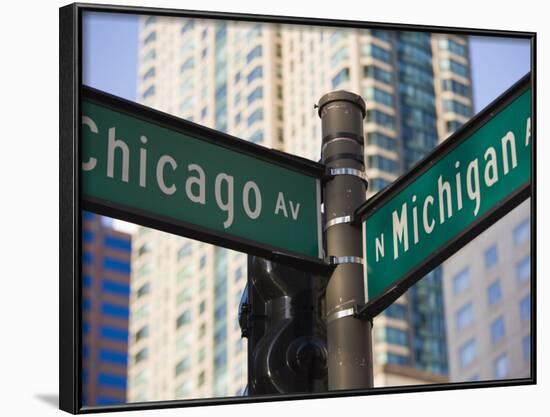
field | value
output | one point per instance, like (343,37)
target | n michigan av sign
(470,181)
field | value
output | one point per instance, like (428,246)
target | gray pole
(348,338)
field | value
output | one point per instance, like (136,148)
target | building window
(184,389)
(494,293)
(257,115)
(491,257)
(455,87)
(497,330)
(456,107)
(254,74)
(525,308)
(382,97)
(238,274)
(526,347)
(115,288)
(255,95)
(110,380)
(467,353)
(454,47)
(144,290)
(115,310)
(522,232)
(340,77)
(184,342)
(382,163)
(381,118)
(254,53)
(523,269)
(150,92)
(202,262)
(201,379)
(145,248)
(464,316)
(461,281)
(183,366)
(453,66)
(453,125)
(501,366)
(188,64)
(383,141)
(202,307)
(183,319)
(371,71)
(257,136)
(184,295)
(187,26)
(394,336)
(338,57)
(376,52)
(204,112)
(149,74)
(141,355)
(202,330)
(150,38)
(396,311)
(142,333)
(149,56)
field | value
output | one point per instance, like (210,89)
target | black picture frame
(70,205)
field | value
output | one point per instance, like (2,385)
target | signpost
(156,170)
(464,186)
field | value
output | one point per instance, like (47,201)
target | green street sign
(470,181)
(154,169)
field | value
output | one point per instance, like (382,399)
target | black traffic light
(281,315)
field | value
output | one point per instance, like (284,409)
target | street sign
(150,168)
(465,185)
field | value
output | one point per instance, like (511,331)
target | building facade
(417,88)
(259,82)
(487,290)
(106,268)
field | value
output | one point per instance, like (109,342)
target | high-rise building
(417,90)
(105,298)
(488,302)
(259,82)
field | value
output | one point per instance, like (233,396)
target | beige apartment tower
(259,82)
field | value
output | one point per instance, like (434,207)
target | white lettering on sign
(143,163)
(528,132)
(280,205)
(92,162)
(449,195)
(226,206)
(252,186)
(379,247)
(163,160)
(120,156)
(113,145)
(199,181)
(400,230)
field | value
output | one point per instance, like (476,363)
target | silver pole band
(341,314)
(339,260)
(338,220)
(327,143)
(349,171)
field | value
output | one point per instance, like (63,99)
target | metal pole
(348,338)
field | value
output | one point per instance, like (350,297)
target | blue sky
(110,58)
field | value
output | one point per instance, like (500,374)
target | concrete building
(488,302)
(259,82)
(105,297)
